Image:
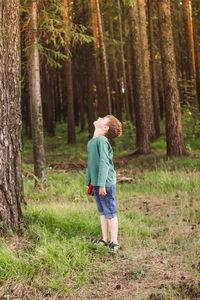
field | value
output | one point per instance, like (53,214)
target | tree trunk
(100,101)
(57,98)
(195,9)
(114,73)
(48,87)
(70,103)
(155,96)
(197,61)
(129,67)
(69,83)
(104,58)
(127,108)
(187,19)
(89,74)
(142,137)
(35,97)
(174,132)
(146,70)
(11,188)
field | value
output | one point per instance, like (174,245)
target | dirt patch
(144,278)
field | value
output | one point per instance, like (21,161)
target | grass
(159,219)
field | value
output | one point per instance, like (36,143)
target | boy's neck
(98,132)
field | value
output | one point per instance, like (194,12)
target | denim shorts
(106,205)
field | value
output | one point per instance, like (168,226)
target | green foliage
(187,90)
(191,123)
(55,34)
(79,35)
(130,3)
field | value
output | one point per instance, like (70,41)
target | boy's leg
(113,225)
(104,228)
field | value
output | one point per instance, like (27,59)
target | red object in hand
(90,192)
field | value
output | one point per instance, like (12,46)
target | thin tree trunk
(114,71)
(69,85)
(48,99)
(197,59)
(11,187)
(70,103)
(105,63)
(187,18)
(127,108)
(142,137)
(35,97)
(195,9)
(155,96)
(174,132)
(129,67)
(89,62)
(146,70)
(99,82)
(60,94)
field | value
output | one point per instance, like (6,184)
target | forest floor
(159,232)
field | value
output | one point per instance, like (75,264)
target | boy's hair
(115,127)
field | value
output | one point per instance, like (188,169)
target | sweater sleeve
(103,162)
(87,178)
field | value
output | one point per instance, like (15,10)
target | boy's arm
(103,162)
(87,179)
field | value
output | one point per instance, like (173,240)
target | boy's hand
(102,190)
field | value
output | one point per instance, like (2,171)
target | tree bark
(100,90)
(35,97)
(48,87)
(104,58)
(69,83)
(127,108)
(195,10)
(114,73)
(70,103)
(129,67)
(11,187)
(89,74)
(174,132)
(146,70)
(187,19)
(142,137)
(155,96)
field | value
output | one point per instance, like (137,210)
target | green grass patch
(159,219)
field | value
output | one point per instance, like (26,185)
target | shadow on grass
(64,226)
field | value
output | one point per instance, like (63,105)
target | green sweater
(100,165)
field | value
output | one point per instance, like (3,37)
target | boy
(102,176)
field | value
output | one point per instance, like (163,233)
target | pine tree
(11,191)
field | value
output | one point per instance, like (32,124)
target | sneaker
(113,248)
(100,243)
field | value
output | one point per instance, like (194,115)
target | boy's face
(101,123)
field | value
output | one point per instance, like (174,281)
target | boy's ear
(106,128)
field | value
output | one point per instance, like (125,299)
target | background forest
(63,64)
(111,59)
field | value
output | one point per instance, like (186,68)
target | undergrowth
(159,219)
